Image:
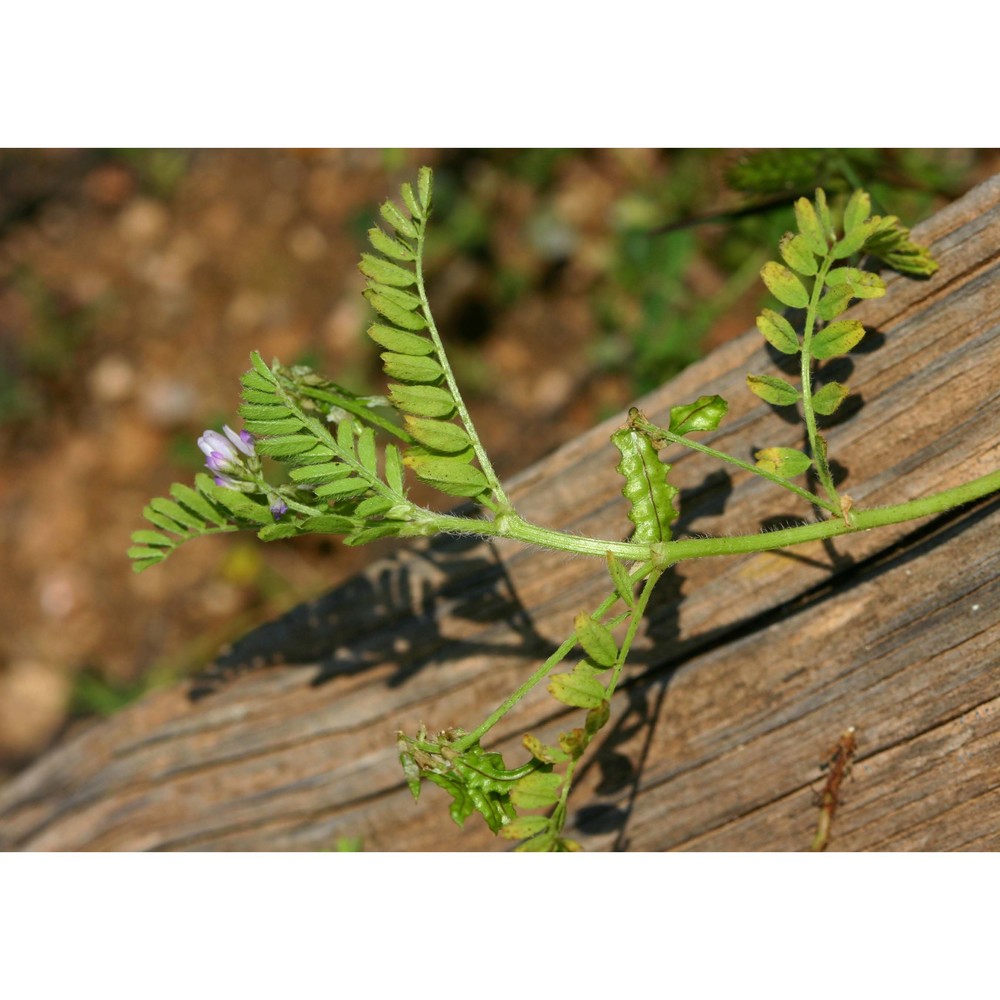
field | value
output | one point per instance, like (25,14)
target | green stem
(863,520)
(818,450)
(511,700)
(633,627)
(662,433)
(514,527)
(666,553)
(442,359)
(558,818)
(556,658)
(360,410)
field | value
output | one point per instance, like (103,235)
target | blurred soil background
(135,283)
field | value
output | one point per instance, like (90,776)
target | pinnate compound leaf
(891,243)
(197,503)
(394,312)
(284,425)
(646,488)
(796,253)
(163,522)
(425,187)
(785,462)
(773,390)
(400,341)
(410,201)
(853,241)
(784,285)
(704,414)
(260,366)
(272,532)
(542,843)
(577,690)
(829,398)
(824,216)
(391,213)
(394,469)
(837,338)
(319,473)
(574,742)
(329,524)
(373,507)
(778,332)
(587,669)
(450,476)
(154,538)
(859,207)
(367,452)
(835,301)
(417,453)
(810,226)
(411,368)
(405,299)
(543,752)
(262,411)
(287,446)
(438,435)
(596,639)
(863,284)
(345,436)
(142,557)
(385,272)
(257,396)
(339,489)
(389,246)
(255,381)
(383,529)
(239,504)
(619,576)
(537,790)
(597,718)
(174,511)
(422,400)
(524,827)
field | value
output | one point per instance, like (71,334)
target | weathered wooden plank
(733,750)
(294,755)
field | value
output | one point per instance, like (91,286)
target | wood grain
(750,668)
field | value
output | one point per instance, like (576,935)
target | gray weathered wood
(750,669)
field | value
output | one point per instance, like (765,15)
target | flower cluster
(234,464)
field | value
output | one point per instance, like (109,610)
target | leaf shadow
(391,614)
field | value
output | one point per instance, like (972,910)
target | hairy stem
(818,451)
(442,358)
(360,410)
(635,619)
(658,434)
(666,553)
(539,675)
(863,520)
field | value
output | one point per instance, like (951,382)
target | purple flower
(225,455)
(278,509)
